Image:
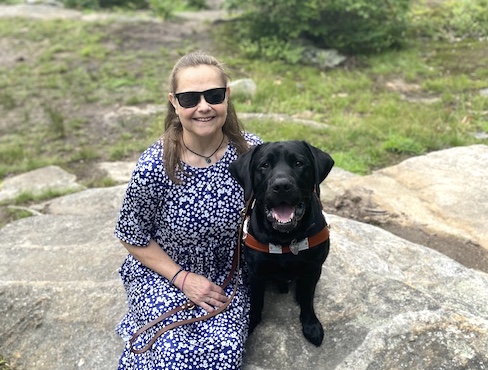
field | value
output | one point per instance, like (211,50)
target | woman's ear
(172,99)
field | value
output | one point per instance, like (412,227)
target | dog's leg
(258,287)
(311,326)
(283,286)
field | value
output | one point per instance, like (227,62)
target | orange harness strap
(294,247)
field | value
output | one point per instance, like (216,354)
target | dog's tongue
(283,212)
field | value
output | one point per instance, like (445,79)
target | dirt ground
(463,251)
(468,254)
(193,28)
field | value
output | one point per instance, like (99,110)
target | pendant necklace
(207,158)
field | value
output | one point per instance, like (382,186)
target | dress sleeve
(252,139)
(136,222)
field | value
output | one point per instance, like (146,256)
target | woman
(179,222)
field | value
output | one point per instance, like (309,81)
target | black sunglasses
(190,99)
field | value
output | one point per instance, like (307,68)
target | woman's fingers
(203,292)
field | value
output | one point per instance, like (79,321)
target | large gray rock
(441,192)
(60,296)
(36,182)
(245,88)
(88,203)
(118,171)
(385,303)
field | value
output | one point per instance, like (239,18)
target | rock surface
(244,87)
(385,303)
(442,192)
(60,296)
(51,178)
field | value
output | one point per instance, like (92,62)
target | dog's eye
(264,165)
(298,164)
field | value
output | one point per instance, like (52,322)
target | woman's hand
(197,288)
(201,291)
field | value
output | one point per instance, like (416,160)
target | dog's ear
(240,169)
(323,163)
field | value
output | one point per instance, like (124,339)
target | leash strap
(189,305)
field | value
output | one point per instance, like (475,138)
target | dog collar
(295,246)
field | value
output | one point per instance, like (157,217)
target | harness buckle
(294,247)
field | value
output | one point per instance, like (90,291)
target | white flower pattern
(196,224)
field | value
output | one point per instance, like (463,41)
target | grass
(29,197)
(4,364)
(17,208)
(70,70)
(76,67)
(369,125)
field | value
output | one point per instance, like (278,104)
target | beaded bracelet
(175,275)
(184,279)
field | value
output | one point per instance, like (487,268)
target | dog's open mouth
(284,217)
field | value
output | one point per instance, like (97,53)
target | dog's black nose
(281,185)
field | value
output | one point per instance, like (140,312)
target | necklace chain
(208,159)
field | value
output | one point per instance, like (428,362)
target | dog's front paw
(313,331)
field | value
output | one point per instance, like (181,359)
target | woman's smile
(203,119)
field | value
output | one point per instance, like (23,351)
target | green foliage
(103,182)
(62,104)
(271,48)
(16,214)
(351,26)
(105,4)
(82,4)
(451,19)
(161,8)
(130,4)
(10,152)
(403,145)
(56,122)
(19,155)
(197,4)
(28,197)
(3,363)
(352,160)
(363,26)
(7,101)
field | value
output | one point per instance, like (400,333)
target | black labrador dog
(286,234)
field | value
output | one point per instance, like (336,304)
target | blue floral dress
(196,224)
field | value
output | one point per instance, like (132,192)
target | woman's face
(204,119)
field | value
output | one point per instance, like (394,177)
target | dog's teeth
(284,221)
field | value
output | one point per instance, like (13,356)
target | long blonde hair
(172,137)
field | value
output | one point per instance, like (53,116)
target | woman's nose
(202,104)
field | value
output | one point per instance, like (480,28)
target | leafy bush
(451,19)
(163,8)
(99,4)
(131,4)
(272,48)
(351,26)
(81,4)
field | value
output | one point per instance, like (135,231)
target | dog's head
(283,176)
